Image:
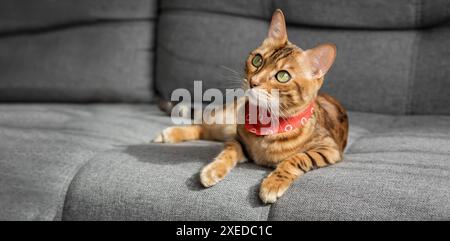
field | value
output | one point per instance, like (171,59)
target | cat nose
(254,83)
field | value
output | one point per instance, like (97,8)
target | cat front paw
(212,173)
(166,136)
(272,188)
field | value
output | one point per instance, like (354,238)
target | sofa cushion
(395,168)
(372,186)
(77,51)
(416,134)
(100,62)
(42,146)
(160,181)
(405,70)
(330,13)
(20,15)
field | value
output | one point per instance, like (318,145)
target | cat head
(297,74)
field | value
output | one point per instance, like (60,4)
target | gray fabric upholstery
(95,162)
(106,62)
(389,180)
(395,168)
(180,33)
(18,15)
(430,89)
(161,182)
(42,146)
(77,51)
(373,14)
(384,71)
(371,186)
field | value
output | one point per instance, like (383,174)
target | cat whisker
(233,73)
(230,69)
(231,78)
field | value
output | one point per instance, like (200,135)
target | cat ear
(321,59)
(277,29)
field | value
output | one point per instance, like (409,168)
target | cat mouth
(258,97)
(263,100)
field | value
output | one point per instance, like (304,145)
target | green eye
(283,76)
(257,61)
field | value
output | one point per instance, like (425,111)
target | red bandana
(284,125)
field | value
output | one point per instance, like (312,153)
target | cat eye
(283,76)
(257,61)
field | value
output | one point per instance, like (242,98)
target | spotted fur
(319,143)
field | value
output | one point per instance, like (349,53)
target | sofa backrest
(76,50)
(393,56)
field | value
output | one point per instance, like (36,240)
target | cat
(317,136)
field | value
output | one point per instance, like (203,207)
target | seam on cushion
(447,9)
(183,58)
(270,213)
(347,148)
(264,216)
(272,8)
(66,26)
(370,132)
(216,12)
(63,193)
(267,7)
(408,109)
(377,162)
(58,84)
(401,151)
(387,134)
(290,24)
(60,212)
(418,14)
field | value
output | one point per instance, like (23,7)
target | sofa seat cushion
(372,186)
(161,182)
(417,134)
(395,168)
(95,162)
(42,146)
(394,181)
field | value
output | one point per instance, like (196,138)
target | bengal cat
(317,123)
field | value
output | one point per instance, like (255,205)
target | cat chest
(265,152)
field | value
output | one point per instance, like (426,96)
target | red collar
(284,125)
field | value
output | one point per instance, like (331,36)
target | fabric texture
(107,62)
(161,182)
(42,146)
(95,162)
(390,179)
(77,51)
(374,14)
(395,168)
(20,15)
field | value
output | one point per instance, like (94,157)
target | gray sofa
(79,83)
